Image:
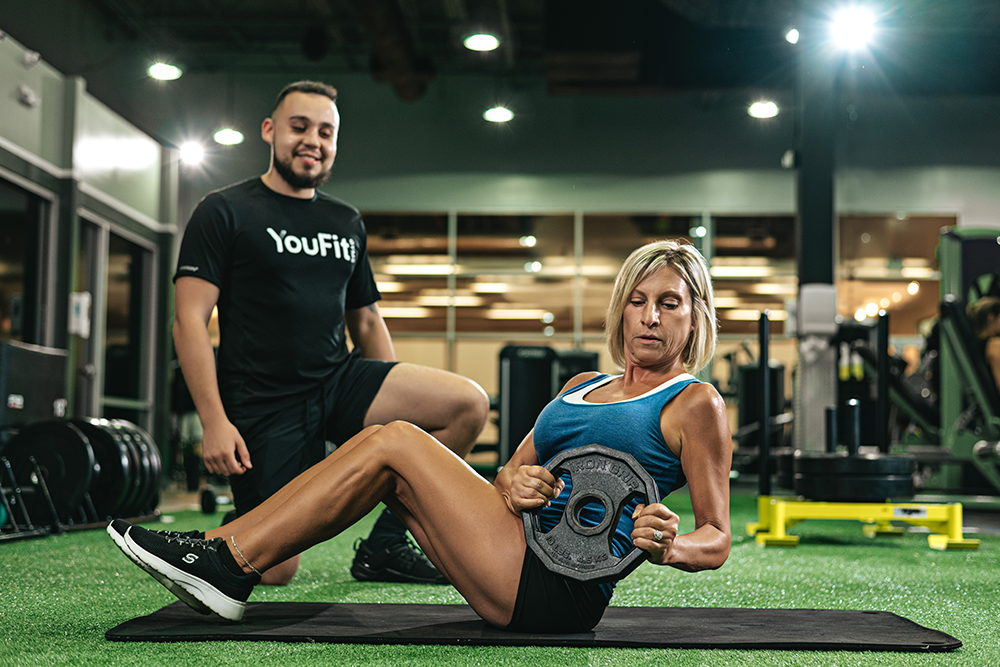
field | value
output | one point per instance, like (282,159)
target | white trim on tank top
(575,397)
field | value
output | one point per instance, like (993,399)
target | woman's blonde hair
(688,262)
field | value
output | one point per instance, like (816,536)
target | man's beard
(299,181)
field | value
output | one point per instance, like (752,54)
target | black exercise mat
(622,627)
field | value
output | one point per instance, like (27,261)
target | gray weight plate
(600,476)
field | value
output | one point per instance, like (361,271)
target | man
(288,267)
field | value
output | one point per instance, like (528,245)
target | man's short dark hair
(311,87)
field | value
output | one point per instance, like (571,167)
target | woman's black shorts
(552,603)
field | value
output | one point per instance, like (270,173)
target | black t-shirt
(286,269)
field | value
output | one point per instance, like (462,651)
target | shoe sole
(217,601)
(181,594)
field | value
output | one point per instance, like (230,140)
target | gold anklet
(249,564)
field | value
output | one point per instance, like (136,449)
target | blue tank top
(631,426)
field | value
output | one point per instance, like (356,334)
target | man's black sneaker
(401,562)
(196,568)
(117,530)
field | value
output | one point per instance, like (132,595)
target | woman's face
(657,320)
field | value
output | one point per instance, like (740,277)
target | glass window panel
(409,255)
(608,239)
(889,262)
(515,274)
(753,269)
(19,253)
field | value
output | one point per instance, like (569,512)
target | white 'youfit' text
(321,245)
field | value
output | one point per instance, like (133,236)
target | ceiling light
(741,271)
(498,115)
(481,42)
(747,315)
(515,314)
(533,267)
(164,71)
(528,241)
(490,288)
(852,28)
(913,287)
(417,269)
(871,309)
(404,312)
(227,136)
(860,315)
(192,152)
(443,301)
(764,109)
(792,36)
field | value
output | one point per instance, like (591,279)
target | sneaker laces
(191,541)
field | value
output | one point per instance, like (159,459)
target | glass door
(115,272)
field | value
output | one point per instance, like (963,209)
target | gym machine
(953,409)
(844,485)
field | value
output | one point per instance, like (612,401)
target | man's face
(303,135)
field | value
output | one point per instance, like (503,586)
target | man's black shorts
(285,443)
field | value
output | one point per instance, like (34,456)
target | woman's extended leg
(282,573)
(260,512)
(458,518)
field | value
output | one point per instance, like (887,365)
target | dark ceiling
(594,47)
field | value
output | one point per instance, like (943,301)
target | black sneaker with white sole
(117,530)
(401,562)
(195,567)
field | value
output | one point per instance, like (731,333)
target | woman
(660,326)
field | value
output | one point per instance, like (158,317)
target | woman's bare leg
(259,513)
(458,518)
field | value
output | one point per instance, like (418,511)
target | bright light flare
(481,42)
(792,36)
(764,109)
(192,152)
(853,28)
(164,71)
(498,115)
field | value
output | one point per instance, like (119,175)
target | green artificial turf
(58,595)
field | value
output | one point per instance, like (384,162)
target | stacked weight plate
(93,470)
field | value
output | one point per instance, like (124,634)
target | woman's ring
(657,535)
